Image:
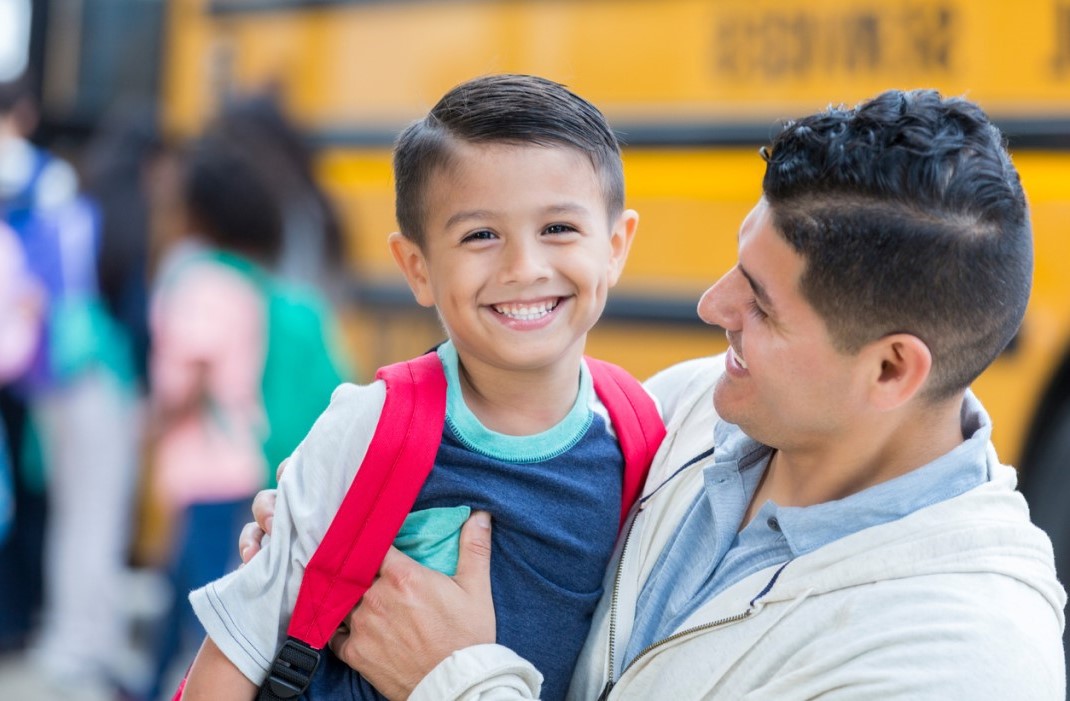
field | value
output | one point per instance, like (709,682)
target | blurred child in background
(312,250)
(241,365)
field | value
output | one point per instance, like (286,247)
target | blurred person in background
(241,365)
(118,172)
(76,442)
(21,311)
(312,249)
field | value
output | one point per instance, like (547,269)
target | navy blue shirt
(554,499)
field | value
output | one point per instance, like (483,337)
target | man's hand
(263,512)
(412,617)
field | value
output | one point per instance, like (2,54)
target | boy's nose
(722,304)
(524,263)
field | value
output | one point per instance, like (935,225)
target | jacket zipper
(675,636)
(747,613)
(613,609)
(616,587)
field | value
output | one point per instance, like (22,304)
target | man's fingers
(280,469)
(249,541)
(473,562)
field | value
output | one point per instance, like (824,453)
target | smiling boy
(510,204)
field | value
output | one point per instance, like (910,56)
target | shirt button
(773,524)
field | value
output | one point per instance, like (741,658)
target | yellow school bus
(693,87)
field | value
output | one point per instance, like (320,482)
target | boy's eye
(560,229)
(481,235)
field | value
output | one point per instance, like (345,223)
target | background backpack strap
(636,420)
(399,458)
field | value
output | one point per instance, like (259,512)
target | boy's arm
(213,676)
(246,612)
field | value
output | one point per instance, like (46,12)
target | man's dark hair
(511,109)
(910,218)
(229,200)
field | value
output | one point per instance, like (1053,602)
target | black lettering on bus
(727,47)
(930,37)
(796,44)
(1061,57)
(786,42)
(862,42)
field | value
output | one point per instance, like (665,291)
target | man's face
(785,384)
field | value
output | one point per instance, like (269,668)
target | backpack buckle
(291,670)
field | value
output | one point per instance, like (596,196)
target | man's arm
(213,676)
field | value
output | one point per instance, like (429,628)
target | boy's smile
(531,314)
(518,254)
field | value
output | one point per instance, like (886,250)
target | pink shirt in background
(207,325)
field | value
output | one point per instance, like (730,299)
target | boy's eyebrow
(463,216)
(567,208)
(759,291)
(552,210)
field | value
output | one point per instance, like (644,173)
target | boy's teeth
(525,312)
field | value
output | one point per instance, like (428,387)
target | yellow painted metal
(366,67)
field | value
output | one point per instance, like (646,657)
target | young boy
(510,201)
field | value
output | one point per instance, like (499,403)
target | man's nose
(722,304)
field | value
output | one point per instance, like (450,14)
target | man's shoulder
(679,386)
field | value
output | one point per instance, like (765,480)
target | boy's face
(518,253)
(785,382)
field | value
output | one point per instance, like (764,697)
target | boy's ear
(900,366)
(620,242)
(413,265)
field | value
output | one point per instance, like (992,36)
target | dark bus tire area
(1046,486)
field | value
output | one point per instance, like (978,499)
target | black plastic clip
(291,671)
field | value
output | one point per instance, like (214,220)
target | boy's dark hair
(910,218)
(512,109)
(228,199)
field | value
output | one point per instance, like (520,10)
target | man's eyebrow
(759,291)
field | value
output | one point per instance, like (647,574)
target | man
(827,517)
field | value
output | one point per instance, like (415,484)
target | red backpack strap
(395,467)
(636,420)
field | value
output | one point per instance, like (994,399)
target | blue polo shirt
(708,552)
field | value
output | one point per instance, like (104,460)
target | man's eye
(757,311)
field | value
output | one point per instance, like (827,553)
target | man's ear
(901,364)
(413,265)
(620,242)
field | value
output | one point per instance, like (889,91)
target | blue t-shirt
(554,499)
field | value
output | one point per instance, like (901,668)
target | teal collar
(517,449)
